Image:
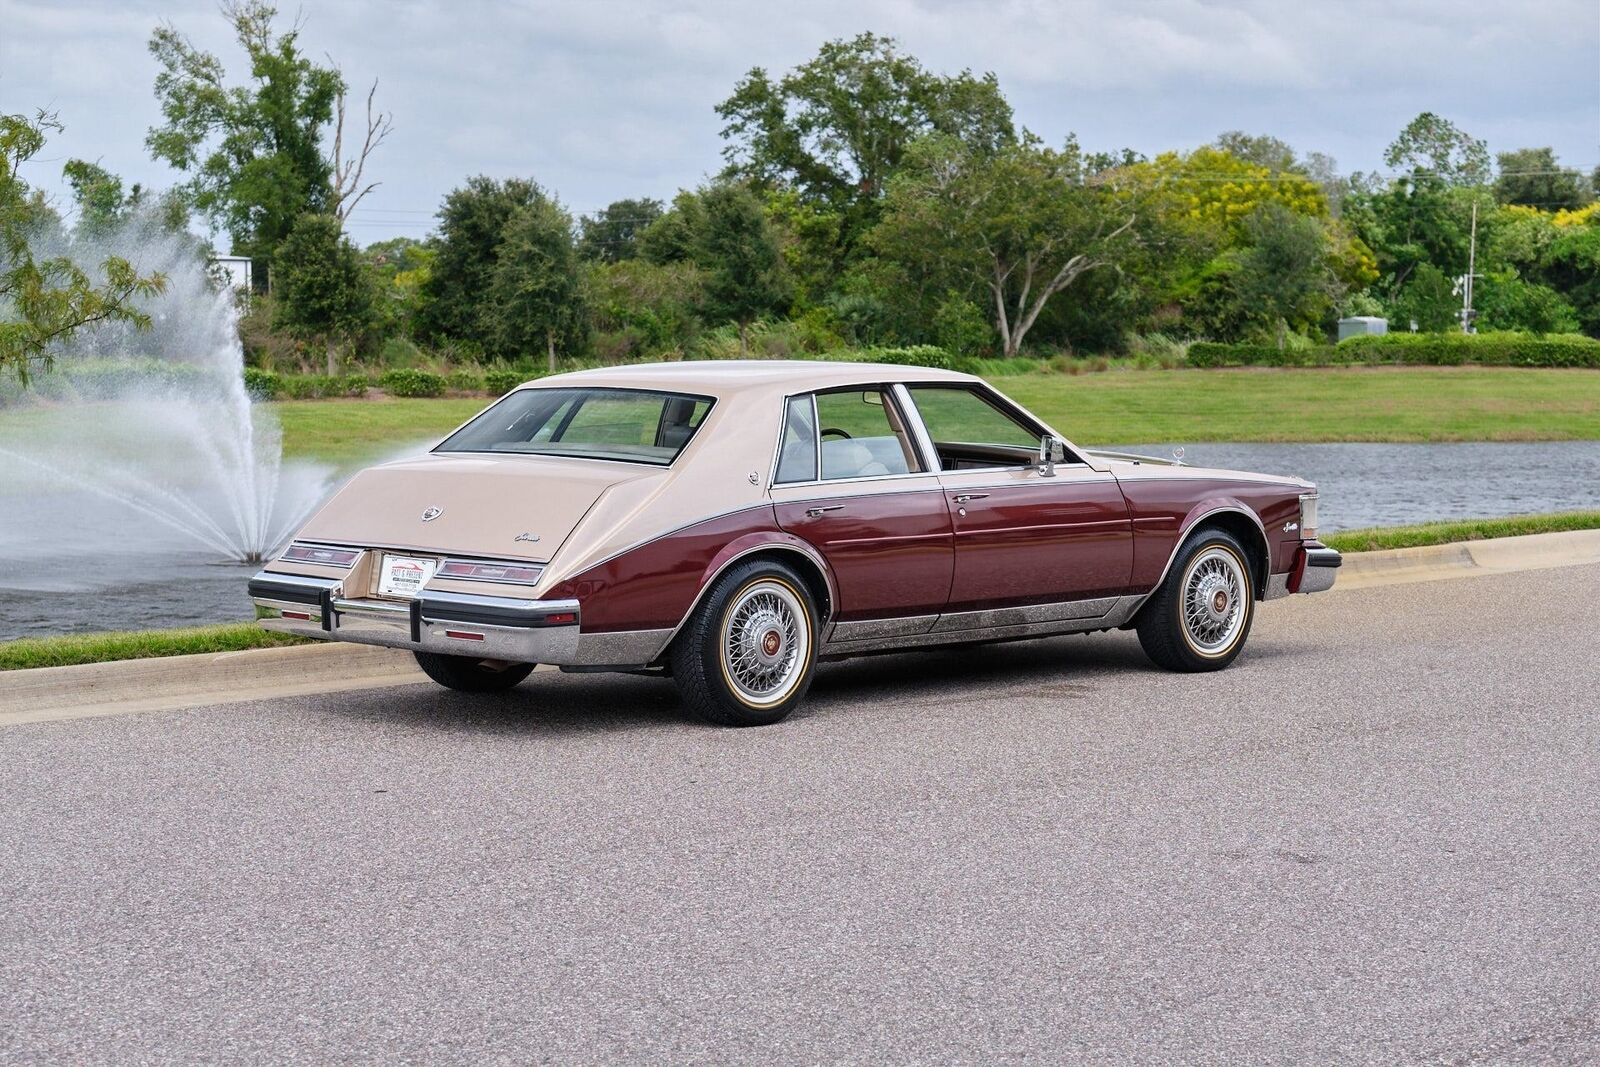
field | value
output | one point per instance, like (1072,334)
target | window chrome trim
(911,421)
(911,415)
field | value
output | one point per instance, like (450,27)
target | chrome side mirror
(1047,456)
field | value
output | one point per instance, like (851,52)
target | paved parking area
(1376,839)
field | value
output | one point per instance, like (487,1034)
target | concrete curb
(1466,559)
(127,686)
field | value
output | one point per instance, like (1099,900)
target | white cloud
(610,98)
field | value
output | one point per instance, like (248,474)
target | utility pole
(1467,314)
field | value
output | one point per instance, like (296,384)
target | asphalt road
(1376,839)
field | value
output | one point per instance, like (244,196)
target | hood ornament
(526,537)
(431,513)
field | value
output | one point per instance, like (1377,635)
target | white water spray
(153,432)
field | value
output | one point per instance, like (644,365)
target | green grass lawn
(105,647)
(1186,406)
(1444,533)
(1323,404)
(349,433)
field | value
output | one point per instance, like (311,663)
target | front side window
(631,425)
(972,430)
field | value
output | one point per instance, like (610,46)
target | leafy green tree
(1506,302)
(637,306)
(399,268)
(612,234)
(1261,150)
(1285,276)
(254,151)
(1417,219)
(535,296)
(472,223)
(46,299)
(1018,226)
(1427,302)
(103,206)
(671,238)
(837,127)
(1572,267)
(738,251)
(1437,146)
(324,292)
(1532,176)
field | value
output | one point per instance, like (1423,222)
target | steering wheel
(834,429)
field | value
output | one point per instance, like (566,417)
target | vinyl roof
(726,377)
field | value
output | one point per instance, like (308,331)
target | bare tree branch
(348,170)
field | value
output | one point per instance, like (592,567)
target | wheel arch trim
(742,548)
(1198,515)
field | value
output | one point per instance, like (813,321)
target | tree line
(864,200)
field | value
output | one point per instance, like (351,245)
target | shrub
(501,382)
(412,383)
(262,384)
(909,356)
(1418,349)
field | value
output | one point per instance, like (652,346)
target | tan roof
(724,377)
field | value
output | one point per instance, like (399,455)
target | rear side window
(797,454)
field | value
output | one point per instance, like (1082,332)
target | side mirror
(1049,450)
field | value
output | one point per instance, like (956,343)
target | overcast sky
(603,100)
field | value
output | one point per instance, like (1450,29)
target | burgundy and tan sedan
(732,523)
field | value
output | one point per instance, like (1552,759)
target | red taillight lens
(561,618)
(328,557)
(515,573)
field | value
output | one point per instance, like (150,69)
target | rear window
(631,425)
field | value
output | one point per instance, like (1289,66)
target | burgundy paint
(890,553)
(1039,542)
(1164,508)
(653,586)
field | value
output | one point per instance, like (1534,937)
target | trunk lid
(485,503)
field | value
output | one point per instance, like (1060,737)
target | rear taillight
(1308,516)
(321,554)
(473,570)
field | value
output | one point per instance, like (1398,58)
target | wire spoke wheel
(1215,605)
(765,642)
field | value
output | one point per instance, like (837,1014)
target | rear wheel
(746,656)
(467,675)
(1200,616)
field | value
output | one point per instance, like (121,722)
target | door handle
(964,497)
(814,512)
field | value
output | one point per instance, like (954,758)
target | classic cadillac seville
(732,523)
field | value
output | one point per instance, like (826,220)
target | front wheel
(467,675)
(746,656)
(1200,616)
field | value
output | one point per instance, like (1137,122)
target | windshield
(632,425)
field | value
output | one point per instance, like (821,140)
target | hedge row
(1421,349)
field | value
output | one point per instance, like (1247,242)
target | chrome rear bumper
(455,624)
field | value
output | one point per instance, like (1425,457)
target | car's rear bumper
(457,624)
(1314,570)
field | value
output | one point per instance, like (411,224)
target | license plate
(404,576)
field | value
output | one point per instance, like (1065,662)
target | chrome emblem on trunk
(526,537)
(429,514)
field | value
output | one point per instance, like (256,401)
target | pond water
(57,574)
